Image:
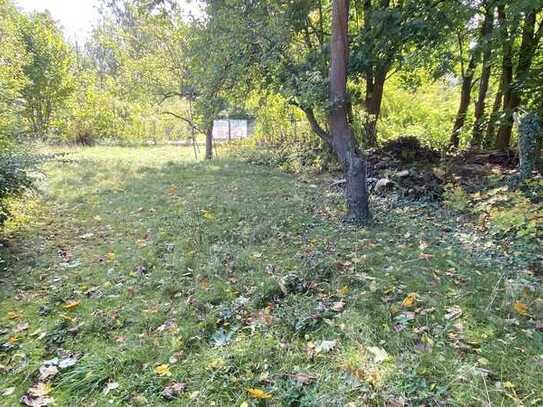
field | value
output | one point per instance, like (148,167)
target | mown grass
(232,275)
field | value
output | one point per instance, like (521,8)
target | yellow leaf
(39,390)
(208,215)
(409,300)
(71,304)
(14,315)
(343,291)
(520,308)
(259,394)
(163,370)
(244,404)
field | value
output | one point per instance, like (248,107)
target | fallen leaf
(343,291)
(47,372)
(304,378)
(71,304)
(40,389)
(8,392)
(208,215)
(409,300)
(259,394)
(325,346)
(173,390)
(40,401)
(379,354)
(453,313)
(338,306)
(67,362)
(167,326)
(14,315)
(22,327)
(163,370)
(110,386)
(520,308)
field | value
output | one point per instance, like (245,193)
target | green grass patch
(239,277)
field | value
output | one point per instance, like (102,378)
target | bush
(16,170)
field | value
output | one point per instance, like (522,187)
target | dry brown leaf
(304,378)
(173,390)
(520,308)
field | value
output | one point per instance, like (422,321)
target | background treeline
(448,72)
(452,73)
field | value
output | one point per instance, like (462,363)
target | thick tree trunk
(342,139)
(209,143)
(487,30)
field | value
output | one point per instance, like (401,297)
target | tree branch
(188,121)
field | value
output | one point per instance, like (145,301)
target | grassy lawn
(238,282)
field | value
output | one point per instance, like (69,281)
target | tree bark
(487,30)
(342,139)
(209,142)
(490,139)
(512,96)
(467,79)
(375,85)
(465,99)
(376,75)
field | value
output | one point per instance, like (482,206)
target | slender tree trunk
(209,143)
(342,138)
(491,127)
(465,99)
(375,85)
(506,126)
(488,28)
(467,81)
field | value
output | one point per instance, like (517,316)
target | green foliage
(12,77)
(530,140)
(456,198)
(49,73)
(16,169)
(425,113)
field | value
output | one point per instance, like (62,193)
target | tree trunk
(487,30)
(465,98)
(491,127)
(342,139)
(209,143)
(467,81)
(375,85)
(504,134)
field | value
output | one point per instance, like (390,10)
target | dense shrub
(16,169)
